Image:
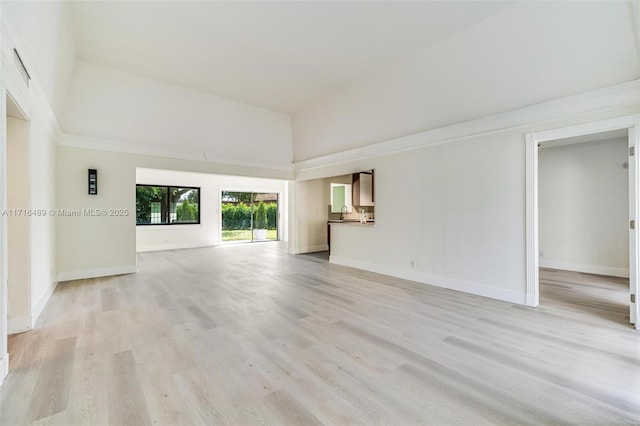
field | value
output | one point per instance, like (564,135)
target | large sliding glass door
(249,216)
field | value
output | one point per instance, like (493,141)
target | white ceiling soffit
(276,55)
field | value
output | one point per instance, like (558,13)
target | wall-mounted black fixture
(93,182)
(21,67)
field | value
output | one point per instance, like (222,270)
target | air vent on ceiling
(21,68)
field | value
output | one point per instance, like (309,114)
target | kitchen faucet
(343,212)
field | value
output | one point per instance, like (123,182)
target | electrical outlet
(541,253)
(412,263)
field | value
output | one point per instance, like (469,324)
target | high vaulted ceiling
(277,55)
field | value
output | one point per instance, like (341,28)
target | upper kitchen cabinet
(363,189)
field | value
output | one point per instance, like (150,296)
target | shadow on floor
(322,256)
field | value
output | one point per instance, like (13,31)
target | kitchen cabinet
(362,189)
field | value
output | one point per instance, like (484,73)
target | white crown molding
(609,98)
(110,145)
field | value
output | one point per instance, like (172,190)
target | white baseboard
(42,302)
(589,269)
(19,324)
(4,367)
(97,272)
(161,247)
(435,280)
(24,323)
(310,249)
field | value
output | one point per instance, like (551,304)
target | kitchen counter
(346,222)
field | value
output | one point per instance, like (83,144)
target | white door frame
(4,258)
(632,124)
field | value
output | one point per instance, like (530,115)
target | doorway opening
(622,127)
(249,216)
(583,225)
(18,221)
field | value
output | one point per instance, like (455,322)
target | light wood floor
(247,334)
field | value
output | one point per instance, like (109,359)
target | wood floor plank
(51,393)
(109,299)
(202,397)
(250,335)
(127,404)
(88,404)
(200,316)
(623,401)
(288,410)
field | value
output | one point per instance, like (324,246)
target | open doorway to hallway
(18,220)
(583,216)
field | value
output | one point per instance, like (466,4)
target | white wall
(164,237)
(141,115)
(19,281)
(456,210)
(525,54)
(583,207)
(95,245)
(310,216)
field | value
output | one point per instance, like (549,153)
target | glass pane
(184,205)
(265,221)
(236,216)
(151,204)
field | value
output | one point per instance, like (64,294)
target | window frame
(168,200)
